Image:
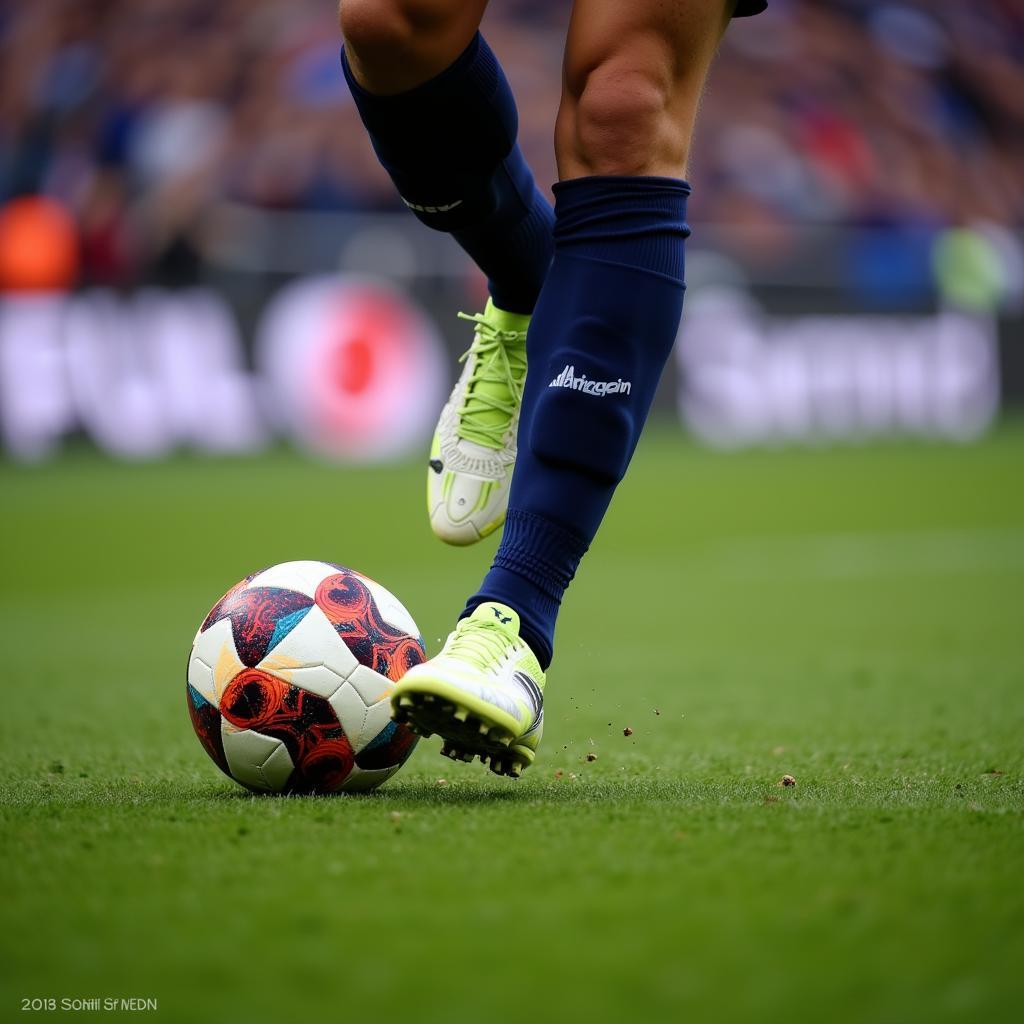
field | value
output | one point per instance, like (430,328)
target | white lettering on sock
(568,379)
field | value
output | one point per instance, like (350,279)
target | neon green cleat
(474,446)
(483,694)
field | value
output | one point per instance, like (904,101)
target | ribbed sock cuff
(535,562)
(541,551)
(636,221)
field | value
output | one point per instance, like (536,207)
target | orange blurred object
(38,246)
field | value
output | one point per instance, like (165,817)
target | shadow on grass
(136,791)
(403,795)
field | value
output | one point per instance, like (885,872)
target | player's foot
(474,446)
(483,694)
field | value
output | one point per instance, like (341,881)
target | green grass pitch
(852,617)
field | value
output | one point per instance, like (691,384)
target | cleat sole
(465,733)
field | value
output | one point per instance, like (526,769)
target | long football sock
(601,333)
(450,148)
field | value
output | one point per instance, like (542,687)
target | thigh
(640,52)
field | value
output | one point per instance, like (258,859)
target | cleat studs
(466,756)
(405,701)
(484,728)
(460,714)
(507,767)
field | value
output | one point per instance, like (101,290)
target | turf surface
(850,617)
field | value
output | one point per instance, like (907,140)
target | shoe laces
(499,359)
(479,642)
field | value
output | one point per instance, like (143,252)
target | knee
(616,119)
(384,34)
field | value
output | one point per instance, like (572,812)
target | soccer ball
(290,677)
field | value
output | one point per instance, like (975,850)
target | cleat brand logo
(568,379)
(436,465)
(533,692)
(441,208)
(503,619)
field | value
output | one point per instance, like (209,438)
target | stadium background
(856,266)
(200,260)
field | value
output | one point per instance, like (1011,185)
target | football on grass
(290,677)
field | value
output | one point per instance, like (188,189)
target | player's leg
(443,122)
(601,333)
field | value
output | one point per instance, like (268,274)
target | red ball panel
(256,614)
(303,721)
(390,748)
(349,606)
(206,722)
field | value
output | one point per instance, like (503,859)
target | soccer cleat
(483,694)
(474,446)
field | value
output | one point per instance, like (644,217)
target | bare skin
(632,77)
(395,45)
(631,84)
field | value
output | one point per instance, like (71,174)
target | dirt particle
(627,731)
(559,773)
(656,711)
(778,751)
(442,782)
(591,756)
(787,780)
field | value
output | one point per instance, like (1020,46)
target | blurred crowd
(136,116)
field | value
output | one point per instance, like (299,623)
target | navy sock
(450,148)
(602,331)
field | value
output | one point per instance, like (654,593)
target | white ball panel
(390,607)
(216,648)
(363,779)
(200,676)
(278,768)
(318,679)
(351,712)
(312,656)
(370,685)
(377,718)
(303,576)
(255,760)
